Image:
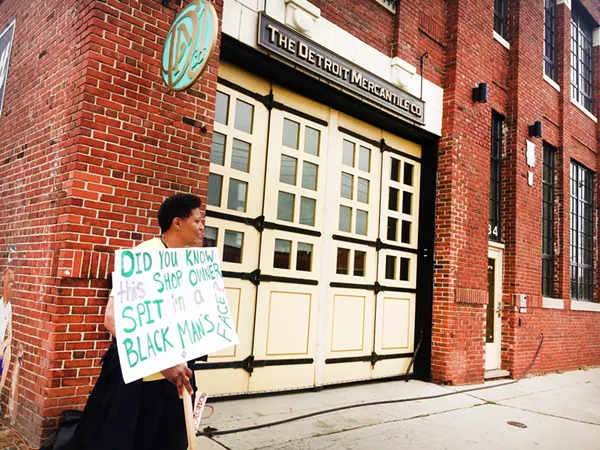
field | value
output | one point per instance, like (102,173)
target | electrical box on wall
(522,303)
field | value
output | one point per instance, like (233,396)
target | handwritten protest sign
(170,307)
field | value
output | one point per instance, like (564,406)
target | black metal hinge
(253,277)
(258,223)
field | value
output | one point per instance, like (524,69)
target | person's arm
(109,316)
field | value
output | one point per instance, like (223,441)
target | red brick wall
(462,215)
(417,27)
(367,20)
(570,336)
(36,129)
(102,145)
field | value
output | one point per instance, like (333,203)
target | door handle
(499,309)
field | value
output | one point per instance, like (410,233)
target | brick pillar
(461,234)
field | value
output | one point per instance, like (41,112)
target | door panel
(285,331)
(494,317)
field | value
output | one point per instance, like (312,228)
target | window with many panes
(500,17)
(581,57)
(298,173)
(355,188)
(230,154)
(494,228)
(582,233)
(548,221)
(550,38)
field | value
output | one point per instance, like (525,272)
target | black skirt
(135,416)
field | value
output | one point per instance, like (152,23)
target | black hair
(176,206)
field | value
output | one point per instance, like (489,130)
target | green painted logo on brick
(189,45)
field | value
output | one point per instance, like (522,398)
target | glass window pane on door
(362,218)
(288,169)
(343,259)
(240,155)
(215,187)
(236,200)
(392,229)
(404,269)
(291,134)
(285,206)
(347,186)
(395,170)
(364,159)
(309,175)
(348,153)
(307,211)
(304,257)
(232,246)
(210,237)
(244,116)
(408,174)
(407,202)
(359,263)
(363,190)
(345,219)
(312,140)
(217,149)
(281,257)
(405,238)
(390,267)
(222,108)
(393,199)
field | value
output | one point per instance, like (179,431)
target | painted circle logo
(189,45)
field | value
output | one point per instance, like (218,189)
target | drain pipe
(412,360)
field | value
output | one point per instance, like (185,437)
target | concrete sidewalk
(560,411)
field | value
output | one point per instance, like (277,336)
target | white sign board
(170,307)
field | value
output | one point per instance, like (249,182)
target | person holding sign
(146,414)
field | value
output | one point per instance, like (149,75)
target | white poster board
(170,307)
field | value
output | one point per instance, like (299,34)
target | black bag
(65,432)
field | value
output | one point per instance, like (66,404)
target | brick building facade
(91,142)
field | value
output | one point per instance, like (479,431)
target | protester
(146,414)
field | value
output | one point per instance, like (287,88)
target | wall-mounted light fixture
(166,3)
(535,130)
(480,93)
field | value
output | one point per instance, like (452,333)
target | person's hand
(180,376)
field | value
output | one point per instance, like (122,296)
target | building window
(499,17)
(581,57)
(548,222)
(550,39)
(582,233)
(495,178)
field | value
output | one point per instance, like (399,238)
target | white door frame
(493,350)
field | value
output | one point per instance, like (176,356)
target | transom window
(494,228)
(550,38)
(582,233)
(581,57)
(548,221)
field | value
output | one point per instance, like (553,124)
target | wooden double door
(316,215)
